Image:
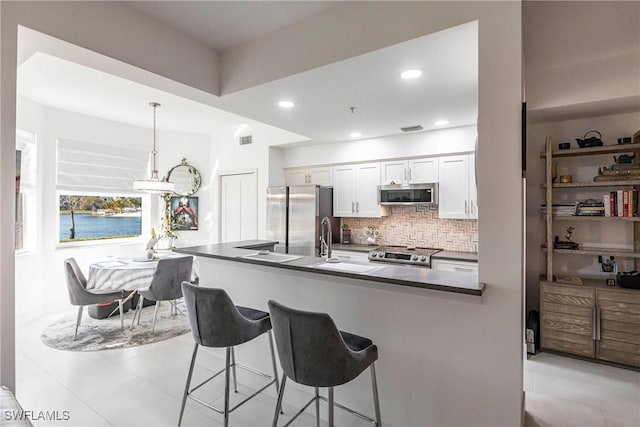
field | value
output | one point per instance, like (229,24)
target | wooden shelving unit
(587,319)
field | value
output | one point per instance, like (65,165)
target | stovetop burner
(403,255)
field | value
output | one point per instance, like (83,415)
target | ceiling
(324,96)
(225,24)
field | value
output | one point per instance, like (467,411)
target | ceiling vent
(244,140)
(411,128)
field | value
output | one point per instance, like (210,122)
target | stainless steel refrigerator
(293,217)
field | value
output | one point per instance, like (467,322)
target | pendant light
(154,184)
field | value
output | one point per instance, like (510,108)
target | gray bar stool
(314,352)
(216,322)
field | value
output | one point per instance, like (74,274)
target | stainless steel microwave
(408,194)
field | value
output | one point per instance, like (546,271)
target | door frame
(231,172)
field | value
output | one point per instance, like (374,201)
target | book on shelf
(559,209)
(620,199)
(607,204)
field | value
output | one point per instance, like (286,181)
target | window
(26,172)
(88,217)
(95,192)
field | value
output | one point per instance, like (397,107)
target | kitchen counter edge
(396,275)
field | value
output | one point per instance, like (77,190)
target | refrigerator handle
(353,208)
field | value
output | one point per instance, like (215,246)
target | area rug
(105,334)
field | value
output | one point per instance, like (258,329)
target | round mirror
(185,178)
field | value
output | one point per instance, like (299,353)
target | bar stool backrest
(169,274)
(311,349)
(215,321)
(76,282)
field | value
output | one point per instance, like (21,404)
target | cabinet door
(350,255)
(423,170)
(619,326)
(453,192)
(321,176)
(296,177)
(454,265)
(394,171)
(567,319)
(473,188)
(367,181)
(344,190)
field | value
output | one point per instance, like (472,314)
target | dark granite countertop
(457,255)
(420,277)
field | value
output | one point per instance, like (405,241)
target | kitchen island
(420,277)
(429,373)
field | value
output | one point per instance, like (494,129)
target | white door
(454,187)
(238,207)
(296,177)
(423,170)
(394,171)
(321,176)
(344,191)
(473,188)
(367,181)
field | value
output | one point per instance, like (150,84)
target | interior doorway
(238,206)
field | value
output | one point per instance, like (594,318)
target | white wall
(39,275)
(446,141)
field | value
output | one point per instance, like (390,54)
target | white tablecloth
(128,273)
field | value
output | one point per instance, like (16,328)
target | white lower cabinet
(457,193)
(355,190)
(350,255)
(454,265)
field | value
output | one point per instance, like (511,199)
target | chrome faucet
(325,243)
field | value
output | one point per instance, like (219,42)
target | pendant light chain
(154,172)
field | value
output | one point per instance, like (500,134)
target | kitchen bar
(424,322)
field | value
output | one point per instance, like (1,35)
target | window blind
(97,167)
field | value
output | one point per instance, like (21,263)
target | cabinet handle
(353,207)
(309,179)
(598,322)
(594,320)
(357,207)
(405,174)
(463,269)
(472,207)
(409,174)
(466,207)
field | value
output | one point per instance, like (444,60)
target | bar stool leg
(186,387)
(75,335)
(226,386)
(273,361)
(279,402)
(233,365)
(331,421)
(376,401)
(317,407)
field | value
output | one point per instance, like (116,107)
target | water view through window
(99,217)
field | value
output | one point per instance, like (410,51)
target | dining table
(129,273)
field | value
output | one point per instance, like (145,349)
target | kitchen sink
(348,267)
(272,257)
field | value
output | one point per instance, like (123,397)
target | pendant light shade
(154,184)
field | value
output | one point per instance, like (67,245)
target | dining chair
(80,296)
(165,286)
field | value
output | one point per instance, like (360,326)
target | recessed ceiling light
(355,134)
(286,104)
(441,122)
(411,74)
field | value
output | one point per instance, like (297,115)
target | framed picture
(184,213)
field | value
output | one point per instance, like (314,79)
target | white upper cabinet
(355,190)
(423,171)
(414,171)
(457,188)
(305,176)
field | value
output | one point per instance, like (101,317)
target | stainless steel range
(403,255)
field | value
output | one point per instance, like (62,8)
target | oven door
(417,194)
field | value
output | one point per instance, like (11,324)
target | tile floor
(142,386)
